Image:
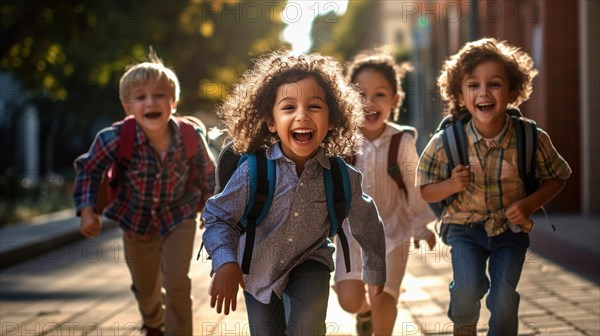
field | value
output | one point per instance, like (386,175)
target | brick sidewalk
(83,289)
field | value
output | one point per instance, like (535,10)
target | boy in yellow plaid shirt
(489,219)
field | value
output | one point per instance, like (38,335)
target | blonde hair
(518,64)
(140,73)
(249,107)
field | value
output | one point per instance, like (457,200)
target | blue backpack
(262,188)
(455,145)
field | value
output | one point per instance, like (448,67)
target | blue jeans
(471,250)
(308,293)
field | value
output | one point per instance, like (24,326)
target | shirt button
(296,214)
(281,261)
(302,184)
(290,239)
(153,212)
(158,175)
(155,199)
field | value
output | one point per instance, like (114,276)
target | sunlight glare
(299,17)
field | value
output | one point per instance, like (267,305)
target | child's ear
(271,126)
(396,100)
(126,108)
(331,127)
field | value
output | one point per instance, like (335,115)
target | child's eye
(315,106)
(288,107)
(495,85)
(472,86)
(380,94)
(159,95)
(140,97)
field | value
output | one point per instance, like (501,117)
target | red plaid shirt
(153,195)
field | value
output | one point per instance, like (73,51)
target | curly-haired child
(401,207)
(156,207)
(489,220)
(301,110)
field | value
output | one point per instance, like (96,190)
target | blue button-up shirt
(295,229)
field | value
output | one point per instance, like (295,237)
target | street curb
(28,240)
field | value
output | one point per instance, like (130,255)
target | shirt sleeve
(221,216)
(367,228)
(549,163)
(91,167)
(419,211)
(432,165)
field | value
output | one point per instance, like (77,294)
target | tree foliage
(67,56)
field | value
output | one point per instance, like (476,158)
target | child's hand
(518,213)
(375,290)
(460,178)
(224,287)
(90,224)
(430,240)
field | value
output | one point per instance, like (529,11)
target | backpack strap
(455,146)
(190,137)
(526,132)
(190,143)
(338,194)
(262,189)
(124,154)
(393,169)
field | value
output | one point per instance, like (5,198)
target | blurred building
(560,35)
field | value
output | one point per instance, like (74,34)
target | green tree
(343,36)
(69,55)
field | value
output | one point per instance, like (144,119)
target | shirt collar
(175,134)
(501,139)
(275,152)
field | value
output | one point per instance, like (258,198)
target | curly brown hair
(381,60)
(249,107)
(518,64)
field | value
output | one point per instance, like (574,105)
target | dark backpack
(455,146)
(394,170)
(111,182)
(262,188)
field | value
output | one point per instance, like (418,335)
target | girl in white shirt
(403,211)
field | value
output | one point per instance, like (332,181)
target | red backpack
(394,170)
(111,182)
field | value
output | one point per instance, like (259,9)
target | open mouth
(486,107)
(372,115)
(302,135)
(152,115)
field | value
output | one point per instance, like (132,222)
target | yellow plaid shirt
(495,182)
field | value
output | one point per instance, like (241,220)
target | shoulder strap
(124,154)
(190,143)
(189,135)
(111,181)
(455,146)
(526,131)
(227,163)
(393,169)
(262,189)
(339,196)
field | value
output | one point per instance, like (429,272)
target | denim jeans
(471,250)
(308,293)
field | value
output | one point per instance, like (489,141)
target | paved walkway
(82,288)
